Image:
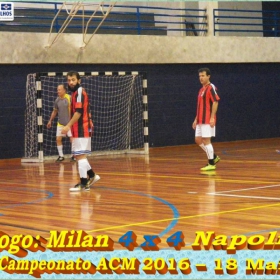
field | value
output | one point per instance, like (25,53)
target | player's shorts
(205,131)
(59,129)
(81,146)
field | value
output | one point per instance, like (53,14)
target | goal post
(118,104)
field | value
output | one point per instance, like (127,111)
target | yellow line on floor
(187,217)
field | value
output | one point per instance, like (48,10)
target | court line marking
(50,195)
(253,188)
(175,211)
(170,219)
(190,217)
(173,221)
(222,193)
(190,177)
(254,148)
(164,176)
(246,196)
(227,160)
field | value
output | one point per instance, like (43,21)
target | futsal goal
(118,104)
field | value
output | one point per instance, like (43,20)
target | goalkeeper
(81,126)
(62,108)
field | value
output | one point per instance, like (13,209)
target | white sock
(82,167)
(88,166)
(60,152)
(202,147)
(209,151)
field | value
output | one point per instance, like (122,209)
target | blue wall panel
(249,106)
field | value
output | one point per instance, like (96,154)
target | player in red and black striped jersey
(80,103)
(205,120)
(81,126)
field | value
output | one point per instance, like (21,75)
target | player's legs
(72,156)
(69,134)
(81,147)
(59,143)
(203,136)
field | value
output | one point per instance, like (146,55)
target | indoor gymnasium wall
(32,48)
(245,70)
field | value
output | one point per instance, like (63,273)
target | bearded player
(81,126)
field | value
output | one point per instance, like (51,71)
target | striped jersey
(206,96)
(80,103)
(62,105)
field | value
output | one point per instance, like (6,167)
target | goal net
(118,104)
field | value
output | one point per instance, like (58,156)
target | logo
(6,6)
(6,11)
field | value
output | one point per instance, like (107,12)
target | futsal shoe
(209,173)
(217,159)
(92,180)
(60,159)
(78,188)
(72,158)
(208,167)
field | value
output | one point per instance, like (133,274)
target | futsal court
(156,194)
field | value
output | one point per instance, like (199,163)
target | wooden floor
(158,194)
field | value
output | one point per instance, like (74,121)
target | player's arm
(73,120)
(215,98)
(53,115)
(214,109)
(194,123)
(69,104)
(90,120)
(213,113)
